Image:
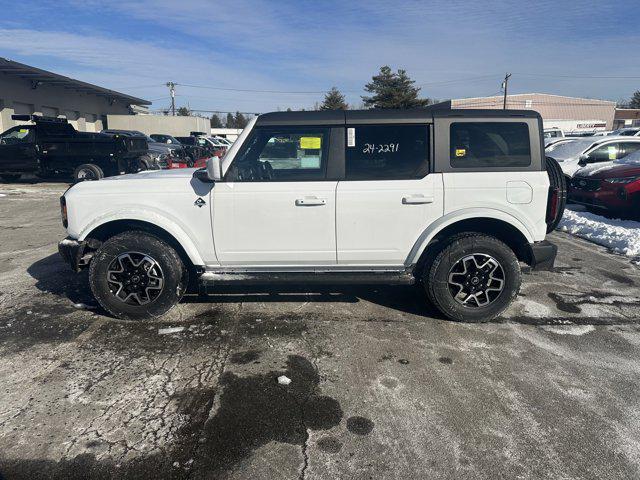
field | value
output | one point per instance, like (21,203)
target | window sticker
(461,152)
(310,143)
(24,130)
(613,152)
(351,137)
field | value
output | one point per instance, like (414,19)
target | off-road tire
(174,274)
(557,180)
(95,170)
(436,276)
(145,162)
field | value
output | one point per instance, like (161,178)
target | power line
(610,77)
(318,92)
(210,111)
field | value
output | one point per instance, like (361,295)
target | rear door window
(387,152)
(489,145)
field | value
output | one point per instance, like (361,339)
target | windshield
(569,149)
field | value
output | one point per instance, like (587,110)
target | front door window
(292,154)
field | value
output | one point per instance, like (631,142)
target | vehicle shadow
(403,298)
(54,276)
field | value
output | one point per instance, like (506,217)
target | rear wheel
(87,171)
(557,182)
(474,278)
(135,275)
(142,163)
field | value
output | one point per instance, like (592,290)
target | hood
(609,170)
(154,174)
(569,166)
(157,147)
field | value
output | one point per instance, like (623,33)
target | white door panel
(275,223)
(378,222)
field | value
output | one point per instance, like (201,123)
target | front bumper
(543,255)
(72,251)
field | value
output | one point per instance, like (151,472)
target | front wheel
(136,275)
(474,278)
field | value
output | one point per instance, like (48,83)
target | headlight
(624,180)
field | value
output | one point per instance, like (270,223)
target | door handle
(310,202)
(416,199)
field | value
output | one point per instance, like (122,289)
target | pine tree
(231,121)
(393,91)
(183,112)
(334,100)
(240,120)
(635,100)
(215,121)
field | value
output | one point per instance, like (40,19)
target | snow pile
(622,236)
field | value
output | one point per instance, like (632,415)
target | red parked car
(180,163)
(613,187)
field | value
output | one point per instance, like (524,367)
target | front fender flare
(465,214)
(152,217)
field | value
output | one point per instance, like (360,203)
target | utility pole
(172,90)
(505,86)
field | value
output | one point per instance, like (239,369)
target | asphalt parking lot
(381,386)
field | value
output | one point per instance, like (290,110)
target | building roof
(535,94)
(44,77)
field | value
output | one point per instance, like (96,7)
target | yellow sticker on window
(24,130)
(613,152)
(310,143)
(461,152)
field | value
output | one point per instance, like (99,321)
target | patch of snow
(622,236)
(3,194)
(569,329)
(284,380)
(170,330)
(69,242)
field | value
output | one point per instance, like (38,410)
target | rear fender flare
(436,227)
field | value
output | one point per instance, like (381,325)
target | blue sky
(452,48)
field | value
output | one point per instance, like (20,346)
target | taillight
(552,204)
(63,211)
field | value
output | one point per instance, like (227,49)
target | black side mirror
(202,175)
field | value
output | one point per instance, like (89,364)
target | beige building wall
(84,110)
(550,107)
(169,125)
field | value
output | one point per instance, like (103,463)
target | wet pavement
(381,385)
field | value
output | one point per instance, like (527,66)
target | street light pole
(172,90)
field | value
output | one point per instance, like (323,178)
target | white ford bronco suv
(451,199)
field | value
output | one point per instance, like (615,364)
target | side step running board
(306,278)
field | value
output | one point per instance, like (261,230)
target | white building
(572,114)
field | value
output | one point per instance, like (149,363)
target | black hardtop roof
(418,115)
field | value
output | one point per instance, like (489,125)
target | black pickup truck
(51,146)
